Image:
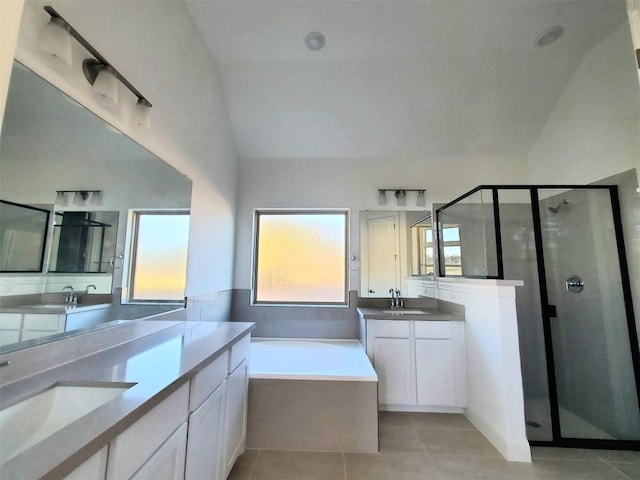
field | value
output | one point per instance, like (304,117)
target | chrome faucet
(86,290)
(396,300)
(71,298)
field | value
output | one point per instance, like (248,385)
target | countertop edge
(435,315)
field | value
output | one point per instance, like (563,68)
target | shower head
(557,208)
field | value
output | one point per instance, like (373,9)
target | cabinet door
(167,463)
(235,416)
(392,362)
(204,447)
(435,372)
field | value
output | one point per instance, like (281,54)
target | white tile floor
(425,446)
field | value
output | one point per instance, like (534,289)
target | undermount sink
(406,312)
(32,420)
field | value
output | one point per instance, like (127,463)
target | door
(382,256)
(392,362)
(167,463)
(235,415)
(590,329)
(204,447)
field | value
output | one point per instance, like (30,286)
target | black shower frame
(558,440)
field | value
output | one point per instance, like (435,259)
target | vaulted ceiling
(395,78)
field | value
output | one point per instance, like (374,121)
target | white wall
(594,130)
(156,46)
(353,184)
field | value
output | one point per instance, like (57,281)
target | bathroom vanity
(175,406)
(419,356)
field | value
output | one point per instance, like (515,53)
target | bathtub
(312,395)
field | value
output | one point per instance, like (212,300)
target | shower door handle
(551,311)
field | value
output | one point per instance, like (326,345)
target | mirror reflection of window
(159,259)
(452,250)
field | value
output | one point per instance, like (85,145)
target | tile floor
(426,446)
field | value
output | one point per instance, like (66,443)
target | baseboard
(514,451)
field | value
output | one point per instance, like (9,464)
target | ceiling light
(549,36)
(314,41)
(54,41)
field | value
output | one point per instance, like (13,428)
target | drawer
(10,321)
(433,329)
(129,450)
(390,328)
(239,351)
(206,381)
(41,321)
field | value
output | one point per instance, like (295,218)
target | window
(300,257)
(159,256)
(452,250)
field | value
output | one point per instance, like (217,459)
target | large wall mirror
(397,253)
(50,143)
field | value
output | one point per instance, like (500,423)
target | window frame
(257,212)
(128,265)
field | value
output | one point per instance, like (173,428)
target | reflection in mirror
(23,232)
(83,242)
(396,248)
(50,144)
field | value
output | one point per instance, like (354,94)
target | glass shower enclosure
(579,347)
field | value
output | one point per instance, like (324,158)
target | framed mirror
(49,143)
(396,248)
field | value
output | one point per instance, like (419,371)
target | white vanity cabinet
(420,364)
(389,348)
(440,364)
(206,422)
(235,415)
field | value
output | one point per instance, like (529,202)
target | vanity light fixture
(141,117)
(54,41)
(401,196)
(101,74)
(79,197)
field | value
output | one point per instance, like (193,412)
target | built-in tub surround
(313,395)
(158,364)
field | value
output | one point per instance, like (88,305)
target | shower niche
(579,350)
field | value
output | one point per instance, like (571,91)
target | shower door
(588,319)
